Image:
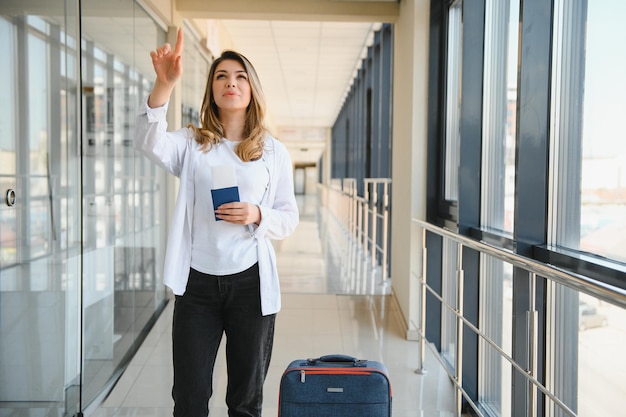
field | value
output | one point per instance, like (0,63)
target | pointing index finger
(178,49)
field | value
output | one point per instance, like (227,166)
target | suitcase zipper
(330,371)
(333,372)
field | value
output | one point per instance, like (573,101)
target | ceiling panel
(305,67)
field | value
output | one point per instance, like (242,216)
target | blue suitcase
(334,386)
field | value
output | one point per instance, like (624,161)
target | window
(499,114)
(603,186)
(8,127)
(497,197)
(587,198)
(196,62)
(453,101)
(589,177)
(450,295)
(496,321)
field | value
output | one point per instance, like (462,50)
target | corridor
(332,303)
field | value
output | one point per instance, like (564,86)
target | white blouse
(219,247)
(176,152)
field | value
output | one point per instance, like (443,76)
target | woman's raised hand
(168,66)
(168,63)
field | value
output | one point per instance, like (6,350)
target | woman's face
(231,88)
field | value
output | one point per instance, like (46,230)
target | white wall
(409,154)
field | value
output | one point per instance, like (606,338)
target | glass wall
(82,214)
(361,135)
(588,199)
(196,63)
(123,214)
(552,189)
(497,197)
(496,291)
(601,363)
(453,101)
(40,273)
(589,91)
(450,296)
(499,114)
(603,187)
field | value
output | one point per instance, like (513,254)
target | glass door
(40,209)
(122,192)
(81,223)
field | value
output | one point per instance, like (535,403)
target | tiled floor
(332,303)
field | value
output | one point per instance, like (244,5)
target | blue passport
(224,195)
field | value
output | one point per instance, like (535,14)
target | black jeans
(211,306)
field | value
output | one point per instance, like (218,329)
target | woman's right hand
(168,66)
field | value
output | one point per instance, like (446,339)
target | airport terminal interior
(459,167)
(333,302)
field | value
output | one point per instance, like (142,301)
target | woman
(219,262)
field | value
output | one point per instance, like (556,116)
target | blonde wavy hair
(211,130)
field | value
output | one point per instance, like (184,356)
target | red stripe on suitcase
(340,371)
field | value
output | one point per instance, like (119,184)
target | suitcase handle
(338,358)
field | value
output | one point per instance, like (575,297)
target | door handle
(10,197)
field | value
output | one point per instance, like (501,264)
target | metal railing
(615,296)
(365,219)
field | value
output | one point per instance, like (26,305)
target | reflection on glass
(453,100)
(122,239)
(496,320)
(588,198)
(198,62)
(589,153)
(601,360)
(8,221)
(603,179)
(585,342)
(39,266)
(73,288)
(499,114)
(449,293)
(7,96)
